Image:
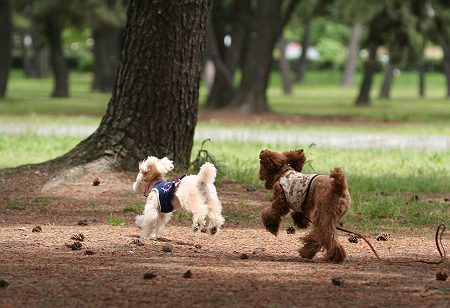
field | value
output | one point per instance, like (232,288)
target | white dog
(194,193)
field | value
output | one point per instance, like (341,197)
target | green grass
(134,208)
(382,182)
(29,148)
(115,221)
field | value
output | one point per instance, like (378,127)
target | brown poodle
(320,199)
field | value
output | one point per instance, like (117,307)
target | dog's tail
(340,181)
(207,173)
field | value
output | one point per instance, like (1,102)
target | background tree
(47,20)
(229,19)
(441,34)
(284,67)
(270,17)
(153,109)
(5,44)
(303,19)
(108,19)
(356,14)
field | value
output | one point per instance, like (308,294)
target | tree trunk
(284,67)
(223,89)
(303,61)
(385,91)
(107,39)
(352,57)
(235,54)
(369,71)
(446,63)
(268,24)
(57,60)
(153,109)
(5,44)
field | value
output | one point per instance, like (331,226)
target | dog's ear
(165,165)
(296,159)
(266,158)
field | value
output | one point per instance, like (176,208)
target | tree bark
(268,24)
(153,109)
(446,63)
(284,67)
(303,61)
(369,71)
(235,54)
(57,60)
(107,39)
(5,44)
(223,89)
(386,87)
(352,57)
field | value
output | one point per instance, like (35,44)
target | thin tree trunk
(352,57)
(57,60)
(107,39)
(303,61)
(363,98)
(385,91)
(422,69)
(153,109)
(284,67)
(5,44)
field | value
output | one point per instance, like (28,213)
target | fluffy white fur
(195,193)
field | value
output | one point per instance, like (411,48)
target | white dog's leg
(149,221)
(216,219)
(196,206)
(163,219)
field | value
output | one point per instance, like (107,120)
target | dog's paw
(195,227)
(213,230)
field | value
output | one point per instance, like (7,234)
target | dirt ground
(242,266)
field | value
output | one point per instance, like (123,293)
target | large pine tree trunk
(153,109)
(352,57)
(284,67)
(369,71)
(107,39)
(386,87)
(57,60)
(303,61)
(5,44)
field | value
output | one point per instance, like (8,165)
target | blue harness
(165,194)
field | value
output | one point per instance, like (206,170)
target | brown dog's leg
(326,221)
(271,216)
(299,220)
(311,246)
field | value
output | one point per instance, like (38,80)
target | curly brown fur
(299,220)
(326,203)
(271,216)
